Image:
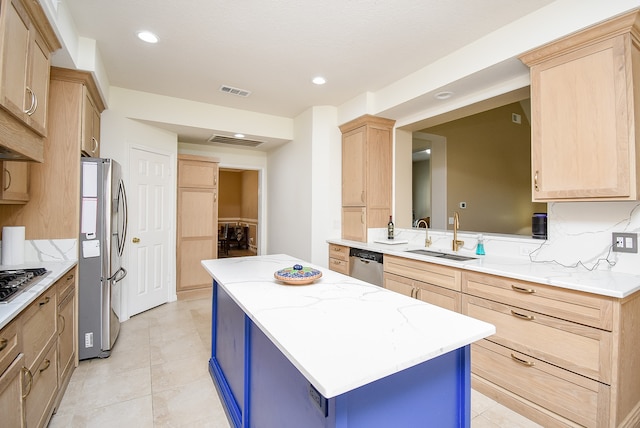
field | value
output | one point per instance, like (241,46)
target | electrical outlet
(525,251)
(624,242)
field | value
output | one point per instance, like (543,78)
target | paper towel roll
(12,245)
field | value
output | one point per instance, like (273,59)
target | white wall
(117,135)
(296,217)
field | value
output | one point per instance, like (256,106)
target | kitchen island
(336,353)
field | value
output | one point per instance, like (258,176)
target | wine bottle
(390,228)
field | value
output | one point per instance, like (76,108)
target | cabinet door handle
(362,196)
(7,173)
(215,197)
(535,182)
(95,144)
(523,362)
(47,363)
(522,289)
(45,301)
(64,324)
(3,343)
(27,372)
(522,316)
(34,102)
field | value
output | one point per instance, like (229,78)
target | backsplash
(50,250)
(579,235)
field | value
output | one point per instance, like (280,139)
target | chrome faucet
(427,239)
(456,225)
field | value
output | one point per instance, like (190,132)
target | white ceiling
(275,48)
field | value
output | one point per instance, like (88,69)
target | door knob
(135,240)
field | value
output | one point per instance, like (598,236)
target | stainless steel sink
(448,256)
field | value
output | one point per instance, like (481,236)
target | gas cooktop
(14,282)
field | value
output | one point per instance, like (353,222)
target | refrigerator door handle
(122,234)
(118,276)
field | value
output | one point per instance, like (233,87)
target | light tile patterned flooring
(157,376)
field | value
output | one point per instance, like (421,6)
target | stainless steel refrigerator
(103,229)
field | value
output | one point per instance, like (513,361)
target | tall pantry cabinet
(366,175)
(197,223)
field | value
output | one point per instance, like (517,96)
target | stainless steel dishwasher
(366,265)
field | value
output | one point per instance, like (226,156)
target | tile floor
(157,376)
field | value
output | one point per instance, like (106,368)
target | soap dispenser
(480,246)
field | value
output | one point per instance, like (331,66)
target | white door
(150,217)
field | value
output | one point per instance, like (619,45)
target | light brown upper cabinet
(25,67)
(584,102)
(90,127)
(366,175)
(15,182)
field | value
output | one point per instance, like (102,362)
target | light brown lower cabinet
(429,282)
(11,407)
(560,357)
(37,356)
(339,258)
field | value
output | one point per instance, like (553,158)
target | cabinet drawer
(439,296)
(10,345)
(340,266)
(567,394)
(339,252)
(578,348)
(39,326)
(66,284)
(583,308)
(430,273)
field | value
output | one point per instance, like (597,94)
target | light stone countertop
(602,282)
(57,269)
(339,332)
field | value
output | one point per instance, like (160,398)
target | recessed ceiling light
(147,36)
(443,95)
(238,135)
(319,80)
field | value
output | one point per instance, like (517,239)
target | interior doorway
(238,212)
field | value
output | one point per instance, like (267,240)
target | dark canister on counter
(539,226)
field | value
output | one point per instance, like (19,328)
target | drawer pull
(522,316)
(69,278)
(522,289)
(45,301)
(521,361)
(27,372)
(47,363)
(337,249)
(3,344)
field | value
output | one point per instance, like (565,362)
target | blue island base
(261,388)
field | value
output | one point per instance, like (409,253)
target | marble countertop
(8,311)
(339,332)
(602,282)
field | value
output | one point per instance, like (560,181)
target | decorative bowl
(297,275)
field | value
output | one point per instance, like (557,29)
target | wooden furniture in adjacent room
(366,175)
(585,106)
(27,40)
(197,223)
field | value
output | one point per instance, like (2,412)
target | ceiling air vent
(243,142)
(234,91)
